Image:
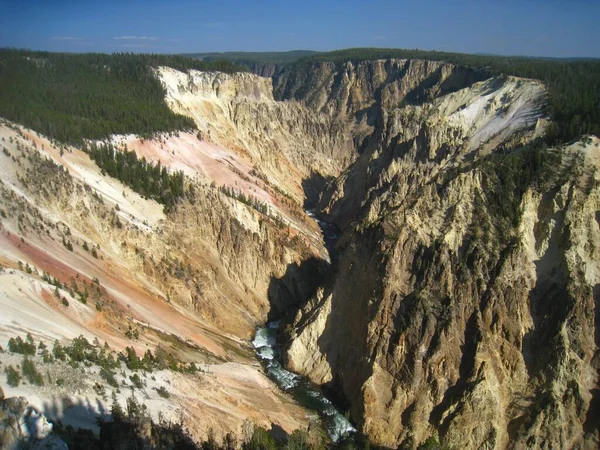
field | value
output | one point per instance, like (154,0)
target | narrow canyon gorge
(430,263)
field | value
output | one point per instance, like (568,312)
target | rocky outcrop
(22,426)
(352,88)
(463,303)
(414,143)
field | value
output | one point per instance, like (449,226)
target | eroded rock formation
(464,300)
(465,294)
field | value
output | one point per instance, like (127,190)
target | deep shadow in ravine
(299,283)
(313,186)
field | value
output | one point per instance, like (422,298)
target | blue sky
(558,28)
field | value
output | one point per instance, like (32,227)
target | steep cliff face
(212,255)
(464,299)
(346,89)
(287,142)
(411,144)
(464,302)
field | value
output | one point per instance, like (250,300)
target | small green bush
(58,351)
(162,391)
(132,360)
(137,382)
(13,377)
(262,440)
(432,443)
(25,347)
(31,373)
(109,376)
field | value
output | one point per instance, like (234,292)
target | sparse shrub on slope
(18,345)
(163,392)
(109,376)
(13,377)
(31,373)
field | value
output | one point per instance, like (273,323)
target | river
(306,393)
(330,233)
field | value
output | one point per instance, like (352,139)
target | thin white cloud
(67,38)
(130,45)
(213,24)
(140,45)
(135,38)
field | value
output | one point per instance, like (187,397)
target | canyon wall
(287,142)
(464,302)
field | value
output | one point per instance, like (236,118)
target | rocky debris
(22,426)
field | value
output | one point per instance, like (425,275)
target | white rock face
(492,111)
(215,85)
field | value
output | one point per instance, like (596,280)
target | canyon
(460,302)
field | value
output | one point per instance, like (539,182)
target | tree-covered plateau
(72,97)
